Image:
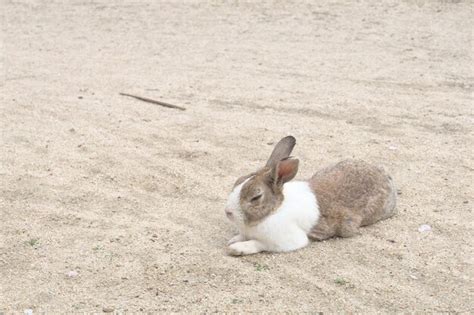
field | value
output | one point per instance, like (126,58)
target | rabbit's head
(258,194)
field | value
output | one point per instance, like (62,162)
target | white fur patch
(288,227)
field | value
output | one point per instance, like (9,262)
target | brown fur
(351,194)
(242,179)
(281,151)
(272,197)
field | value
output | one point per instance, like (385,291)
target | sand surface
(109,203)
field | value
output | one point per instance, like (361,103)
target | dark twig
(149,100)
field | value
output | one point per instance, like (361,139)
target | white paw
(245,248)
(235,249)
(235,239)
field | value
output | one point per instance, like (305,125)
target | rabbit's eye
(256,198)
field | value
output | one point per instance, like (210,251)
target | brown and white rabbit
(275,214)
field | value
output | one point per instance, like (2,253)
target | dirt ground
(112,204)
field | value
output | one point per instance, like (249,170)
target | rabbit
(275,214)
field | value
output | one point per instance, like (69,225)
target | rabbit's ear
(281,151)
(284,171)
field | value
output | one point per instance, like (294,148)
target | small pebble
(414,277)
(424,228)
(392,147)
(28,311)
(108,309)
(72,274)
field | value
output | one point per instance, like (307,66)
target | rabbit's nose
(228,212)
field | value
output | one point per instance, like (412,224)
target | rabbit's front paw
(245,248)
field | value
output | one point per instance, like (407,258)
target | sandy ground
(108,203)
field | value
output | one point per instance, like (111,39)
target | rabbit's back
(350,194)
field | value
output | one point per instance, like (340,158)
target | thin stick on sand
(149,100)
